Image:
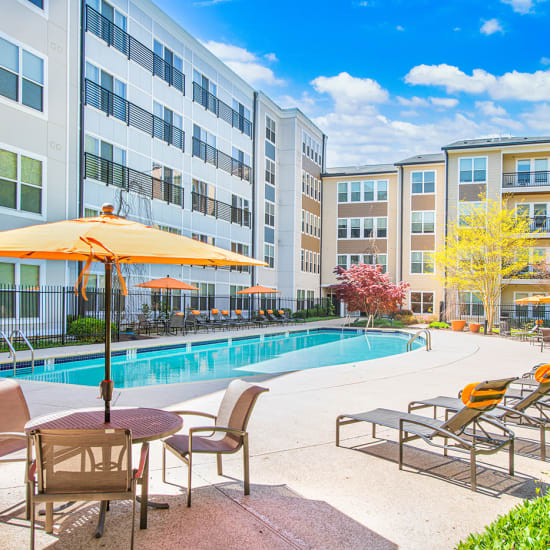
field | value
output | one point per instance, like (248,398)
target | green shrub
(317,311)
(380,323)
(525,527)
(438,324)
(89,329)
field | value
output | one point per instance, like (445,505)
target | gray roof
(360,170)
(423,159)
(496,142)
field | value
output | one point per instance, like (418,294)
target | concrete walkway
(306,492)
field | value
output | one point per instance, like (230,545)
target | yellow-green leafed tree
(486,245)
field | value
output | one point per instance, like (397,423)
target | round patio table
(144,424)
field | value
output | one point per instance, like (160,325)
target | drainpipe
(81,121)
(322,200)
(446,221)
(254,205)
(400,225)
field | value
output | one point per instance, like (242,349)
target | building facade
(117,103)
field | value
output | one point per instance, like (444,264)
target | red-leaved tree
(366,289)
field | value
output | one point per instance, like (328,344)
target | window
(532,171)
(422,302)
(381,228)
(466,211)
(38,3)
(240,114)
(342,192)
(269,129)
(343,228)
(172,192)
(423,182)
(114,16)
(164,61)
(354,259)
(375,190)
(422,221)
(343,261)
(176,231)
(269,255)
(106,163)
(269,171)
(26,276)
(207,97)
(204,298)
(20,182)
(269,214)
(470,304)
(240,212)
(355,225)
(376,259)
(240,248)
(302,260)
(473,170)
(21,75)
(421,262)
(203,238)
(356,191)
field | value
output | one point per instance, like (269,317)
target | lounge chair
(83,465)
(272,317)
(240,320)
(198,320)
(226,436)
(515,413)
(215,320)
(177,321)
(465,428)
(286,315)
(226,319)
(14,414)
(261,319)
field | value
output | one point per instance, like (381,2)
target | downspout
(322,200)
(446,223)
(254,205)
(81,121)
(400,222)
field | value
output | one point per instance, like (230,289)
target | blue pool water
(268,354)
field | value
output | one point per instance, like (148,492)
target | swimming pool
(237,357)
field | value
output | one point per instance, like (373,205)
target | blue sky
(385,79)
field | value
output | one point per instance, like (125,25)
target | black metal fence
(517,315)
(220,160)
(55,316)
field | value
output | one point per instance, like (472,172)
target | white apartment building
(112,101)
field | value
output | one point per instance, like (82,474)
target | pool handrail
(11,348)
(417,334)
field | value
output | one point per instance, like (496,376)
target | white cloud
(412,102)
(522,6)
(545,60)
(399,28)
(456,29)
(245,63)
(491,27)
(513,85)
(209,2)
(271,57)
(508,123)
(305,102)
(445,102)
(489,108)
(539,118)
(350,93)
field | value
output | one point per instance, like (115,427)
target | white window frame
(423,172)
(422,292)
(472,158)
(423,263)
(376,190)
(422,222)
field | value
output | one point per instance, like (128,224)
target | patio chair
(240,320)
(465,428)
(177,321)
(226,436)
(272,317)
(261,319)
(286,315)
(516,413)
(83,465)
(225,317)
(143,323)
(215,319)
(199,320)
(14,414)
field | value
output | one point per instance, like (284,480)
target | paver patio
(307,493)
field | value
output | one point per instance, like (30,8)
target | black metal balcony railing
(118,107)
(220,160)
(121,176)
(526,179)
(133,49)
(220,210)
(540,224)
(221,110)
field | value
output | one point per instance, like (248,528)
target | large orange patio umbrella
(111,240)
(167,283)
(535,299)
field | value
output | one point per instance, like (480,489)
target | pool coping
(132,352)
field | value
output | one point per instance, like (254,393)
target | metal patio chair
(465,429)
(226,436)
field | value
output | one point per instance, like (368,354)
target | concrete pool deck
(306,492)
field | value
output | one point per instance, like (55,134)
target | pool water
(267,354)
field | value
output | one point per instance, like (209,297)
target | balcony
(133,49)
(125,178)
(525,179)
(539,224)
(220,160)
(220,210)
(211,103)
(118,107)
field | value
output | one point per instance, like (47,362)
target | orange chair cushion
(215,311)
(281,312)
(261,312)
(195,312)
(477,399)
(542,374)
(270,311)
(225,312)
(238,311)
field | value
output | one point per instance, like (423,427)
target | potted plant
(458,325)
(474,327)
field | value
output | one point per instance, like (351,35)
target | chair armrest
(144,452)
(215,429)
(194,413)
(12,435)
(31,472)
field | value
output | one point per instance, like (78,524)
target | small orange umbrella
(167,283)
(258,290)
(536,299)
(111,240)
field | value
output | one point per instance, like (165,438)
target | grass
(325,318)
(380,323)
(525,527)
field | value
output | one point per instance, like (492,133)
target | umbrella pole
(107,384)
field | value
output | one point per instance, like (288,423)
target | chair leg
(163,464)
(32,524)
(49,517)
(28,501)
(189,462)
(400,449)
(133,517)
(246,465)
(473,478)
(219,461)
(543,442)
(511,458)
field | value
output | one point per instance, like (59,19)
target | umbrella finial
(107,208)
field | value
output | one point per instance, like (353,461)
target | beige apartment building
(396,214)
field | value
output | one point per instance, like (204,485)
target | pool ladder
(12,352)
(416,335)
